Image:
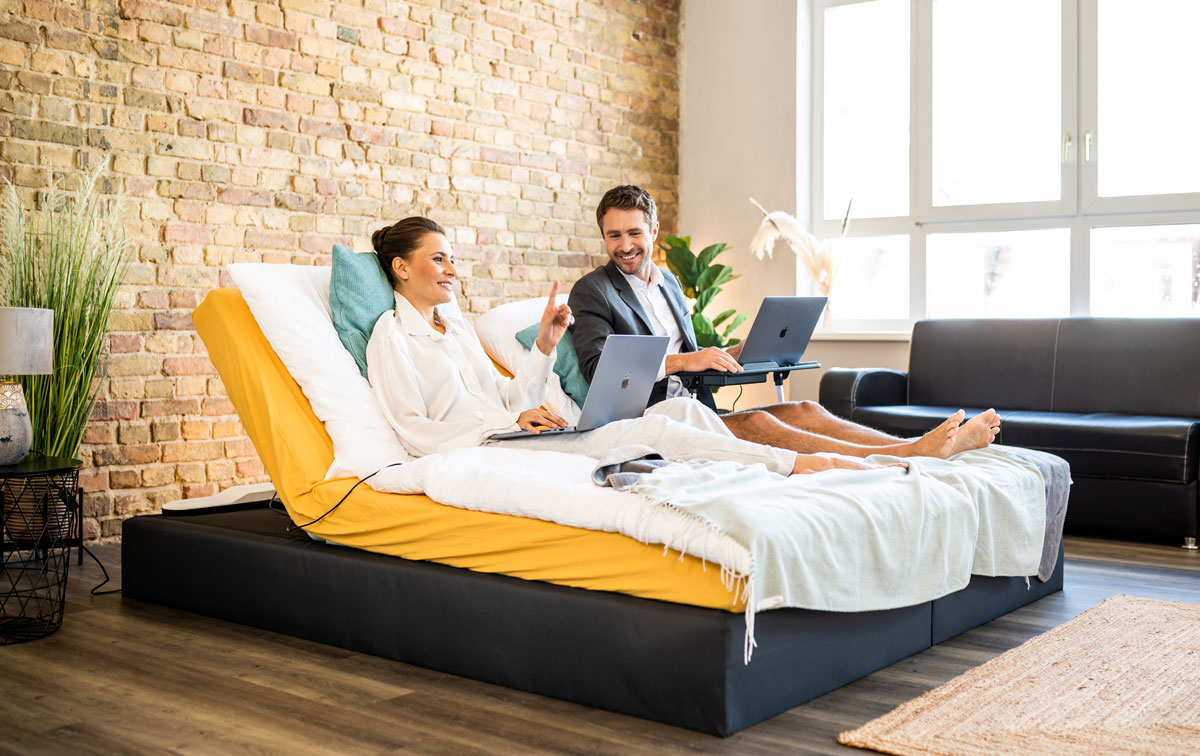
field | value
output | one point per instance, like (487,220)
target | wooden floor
(123,676)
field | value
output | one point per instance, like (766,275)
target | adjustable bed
(593,617)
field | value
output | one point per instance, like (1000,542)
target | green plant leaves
(683,265)
(713,277)
(701,281)
(723,316)
(730,328)
(69,256)
(709,253)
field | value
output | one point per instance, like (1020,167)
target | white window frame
(1079,208)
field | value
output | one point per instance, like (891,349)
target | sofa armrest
(843,389)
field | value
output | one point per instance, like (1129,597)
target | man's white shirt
(653,298)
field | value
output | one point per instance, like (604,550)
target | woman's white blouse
(440,391)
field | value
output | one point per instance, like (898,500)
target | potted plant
(67,254)
(701,278)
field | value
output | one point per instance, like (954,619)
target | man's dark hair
(627,198)
(401,239)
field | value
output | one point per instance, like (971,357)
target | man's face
(629,239)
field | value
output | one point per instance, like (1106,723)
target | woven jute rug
(1121,678)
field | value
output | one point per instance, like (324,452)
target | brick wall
(247,131)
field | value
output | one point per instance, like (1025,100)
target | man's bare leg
(765,428)
(976,433)
(811,416)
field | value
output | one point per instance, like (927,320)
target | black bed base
(677,664)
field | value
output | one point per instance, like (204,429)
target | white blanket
(840,540)
(858,541)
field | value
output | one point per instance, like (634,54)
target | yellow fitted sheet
(296,451)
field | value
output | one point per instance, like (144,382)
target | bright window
(1007,158)
(868,269)
(866,109)
(999,274)
(1146,271)
(1149,97)
(996,114)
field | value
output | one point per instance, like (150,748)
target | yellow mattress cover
(297,452)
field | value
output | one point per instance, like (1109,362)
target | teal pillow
(566,363)
(358,294)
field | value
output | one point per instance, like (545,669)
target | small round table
(40,520)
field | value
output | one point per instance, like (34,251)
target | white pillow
(497,330)
(291,305)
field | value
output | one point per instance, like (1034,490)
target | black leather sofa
(1117,398)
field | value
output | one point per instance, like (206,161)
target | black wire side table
(40,520)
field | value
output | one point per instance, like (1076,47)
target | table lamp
(26,348)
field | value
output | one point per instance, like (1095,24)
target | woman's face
(427,278)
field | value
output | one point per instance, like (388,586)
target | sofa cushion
(1135,366)
(1100,444)
(982,363)
(1111,446)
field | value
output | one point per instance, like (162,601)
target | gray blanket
(1056,473)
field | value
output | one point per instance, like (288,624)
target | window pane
(866,109)
(872,279)
(997,101)
(1145,271)
(1147,107)
(1006,274)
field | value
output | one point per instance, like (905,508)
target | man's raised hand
(556,319)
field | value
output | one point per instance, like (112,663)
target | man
(632,295)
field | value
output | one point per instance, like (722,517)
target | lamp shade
(26,341)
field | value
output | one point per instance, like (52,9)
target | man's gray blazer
(603,303)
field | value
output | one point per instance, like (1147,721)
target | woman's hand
(555,322)
(537,419)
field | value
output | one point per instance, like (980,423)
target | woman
(439,390)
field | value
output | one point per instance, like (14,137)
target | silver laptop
(781,331)
(779,335)
(620,388)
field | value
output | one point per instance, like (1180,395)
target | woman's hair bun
(377,238)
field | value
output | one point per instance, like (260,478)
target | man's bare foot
(977,432)
(936,443)
(811,463)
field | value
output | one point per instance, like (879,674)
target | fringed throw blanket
(832,541)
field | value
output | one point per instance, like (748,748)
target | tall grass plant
(66,254)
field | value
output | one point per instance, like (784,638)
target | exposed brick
(268,131)
(218,407)
(93,480)
(139,454)
(199,490)
(154,477)
(181,321)
(114,410)
(272,119)
(159,13)
(191,451)
(256,237)
(124,479)
(263,35)
(187,366)
(182,232)
(45,131)
(161,407)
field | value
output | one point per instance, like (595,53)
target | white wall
(745,132)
